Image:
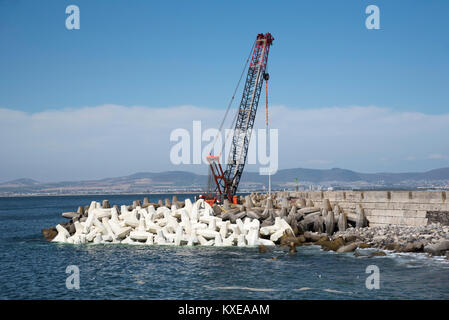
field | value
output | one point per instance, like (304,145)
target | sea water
(33,268)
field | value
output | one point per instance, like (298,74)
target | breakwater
(287,219)
(382,208)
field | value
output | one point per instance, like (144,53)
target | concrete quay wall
(408,208)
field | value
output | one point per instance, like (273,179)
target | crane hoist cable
(232,100)
(267,77)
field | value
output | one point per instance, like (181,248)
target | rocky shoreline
(259,221)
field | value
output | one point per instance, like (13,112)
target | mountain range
(171,181)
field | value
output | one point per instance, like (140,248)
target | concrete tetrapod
(193,224)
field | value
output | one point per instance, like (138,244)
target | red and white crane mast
(226,183)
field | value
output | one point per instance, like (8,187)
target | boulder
(80,210)
(136,203)
(333,245)
(266,242)
(326,205)
(324,213)
(309,203)
(277,235)
(330,223)
(294,225)
(318,224)
(267,223)
(394,246)
(361,221)
(70,215)
(309,220)
(337,210)
(252,214)
(416,246)
(62,235)
(342,222)
(269,203)
(309,210)
(351,217)
(50,233)
(71,228)
(301,203)
(248,202)
(217,210)
(106,204)
(284,203)
(283,212)
(286,240)
(167,203)
(300,228)
(292,212)
(368,254)
(437,249)
(239,215)
(364,246)
(377,254)
(310,236)
(292,248)
(349,247)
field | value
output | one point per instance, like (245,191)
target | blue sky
(163,54)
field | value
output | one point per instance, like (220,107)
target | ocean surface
(32,268)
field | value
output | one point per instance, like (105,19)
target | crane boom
(247,111)
(227,182)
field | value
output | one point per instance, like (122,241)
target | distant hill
(183,180)
(337,174)
(22,182)
(310,175)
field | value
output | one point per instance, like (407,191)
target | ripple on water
(303,289)
(35,269)
(242,288)
(336,291)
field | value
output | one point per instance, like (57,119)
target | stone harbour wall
(404,208)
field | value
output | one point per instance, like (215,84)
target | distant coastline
(180,182)
(91,194)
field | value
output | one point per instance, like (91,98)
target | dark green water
(32,268)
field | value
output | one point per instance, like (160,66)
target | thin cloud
(437,156)
(113,140)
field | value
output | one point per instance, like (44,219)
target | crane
(226,182)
